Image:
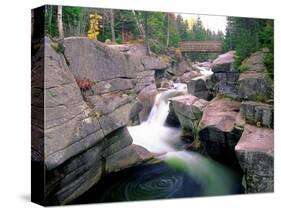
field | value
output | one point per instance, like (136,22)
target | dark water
(149,182)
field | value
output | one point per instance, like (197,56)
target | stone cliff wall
(236,126)
(83,132)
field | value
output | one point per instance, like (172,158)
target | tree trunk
(50,18)
(139,25)
(168,30)
(60,24)
(112,26)
(146,43)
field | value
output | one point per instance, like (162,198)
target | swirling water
(180,173)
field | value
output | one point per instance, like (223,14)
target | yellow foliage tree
(95,26)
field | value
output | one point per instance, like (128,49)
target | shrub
(243,68)
(84,84)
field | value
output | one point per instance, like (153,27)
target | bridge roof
(201,46)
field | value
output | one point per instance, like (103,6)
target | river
(180,173)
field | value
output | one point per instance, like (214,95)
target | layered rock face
(188,109)
(255,61)
(255,152)
(85,134)
(220,129)
(225,75)
(202,87)
(255,86)
(257,113)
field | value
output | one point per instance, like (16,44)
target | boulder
(255,61)
(93,60)
(113,85)
(153,63)
(136,54)
(116,141)
(146,97)
(188,110)
(188,76)
(255,153)
(144,78)
(224,63)
(71,179)
(113,110)
(167,84)
(255,86)
(198,87)
(180,67)
(70,127)
(137,107)
(160,75)
(257,113)
(130,156)
(225,75)
(220,129)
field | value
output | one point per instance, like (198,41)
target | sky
(212,22)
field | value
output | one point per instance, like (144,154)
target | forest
(163,31)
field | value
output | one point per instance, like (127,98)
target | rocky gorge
(93,93)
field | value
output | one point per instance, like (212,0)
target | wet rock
(180,67)
(116,141)
(159,77)
(134,113)
(220,129)
(73,178)
(188,76)
(167,84)
(153,63)
(144,78)
(188,110)
(257,113)
(131,155)
(255,152)
(172,119)
(198,87)
(146,97)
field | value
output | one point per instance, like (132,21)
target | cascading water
(153,134)
(180,173)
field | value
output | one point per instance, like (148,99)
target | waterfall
(153,134)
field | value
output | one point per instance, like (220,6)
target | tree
(247,35)
(60,23)
(94,29)
(182,28)
(50,17)
(243,35)
(112,26)
(168,30)
(146,43)
(139,25)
